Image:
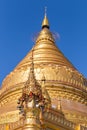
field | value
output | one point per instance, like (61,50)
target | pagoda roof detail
(49,61)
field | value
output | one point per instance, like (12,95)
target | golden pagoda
(50,92)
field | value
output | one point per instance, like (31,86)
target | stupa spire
(45,22)
(31,77)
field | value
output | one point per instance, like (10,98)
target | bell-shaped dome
(61,78)
(46,52)
(48,61)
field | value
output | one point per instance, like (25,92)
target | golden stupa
(60,82)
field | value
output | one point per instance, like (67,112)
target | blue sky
(20,20)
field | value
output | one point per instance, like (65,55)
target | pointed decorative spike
(59,104)
(45,22)
(45,11)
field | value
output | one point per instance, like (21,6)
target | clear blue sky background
(20,20)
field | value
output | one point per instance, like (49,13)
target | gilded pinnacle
(45,22)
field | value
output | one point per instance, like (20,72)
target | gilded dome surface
(45,51)
(61,78)
(48,61)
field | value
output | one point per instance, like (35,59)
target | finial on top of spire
(45,22)
(45,11)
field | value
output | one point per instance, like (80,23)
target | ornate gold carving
(58,74)
(9,117)
(52,116)
(82,119)
(62,79)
